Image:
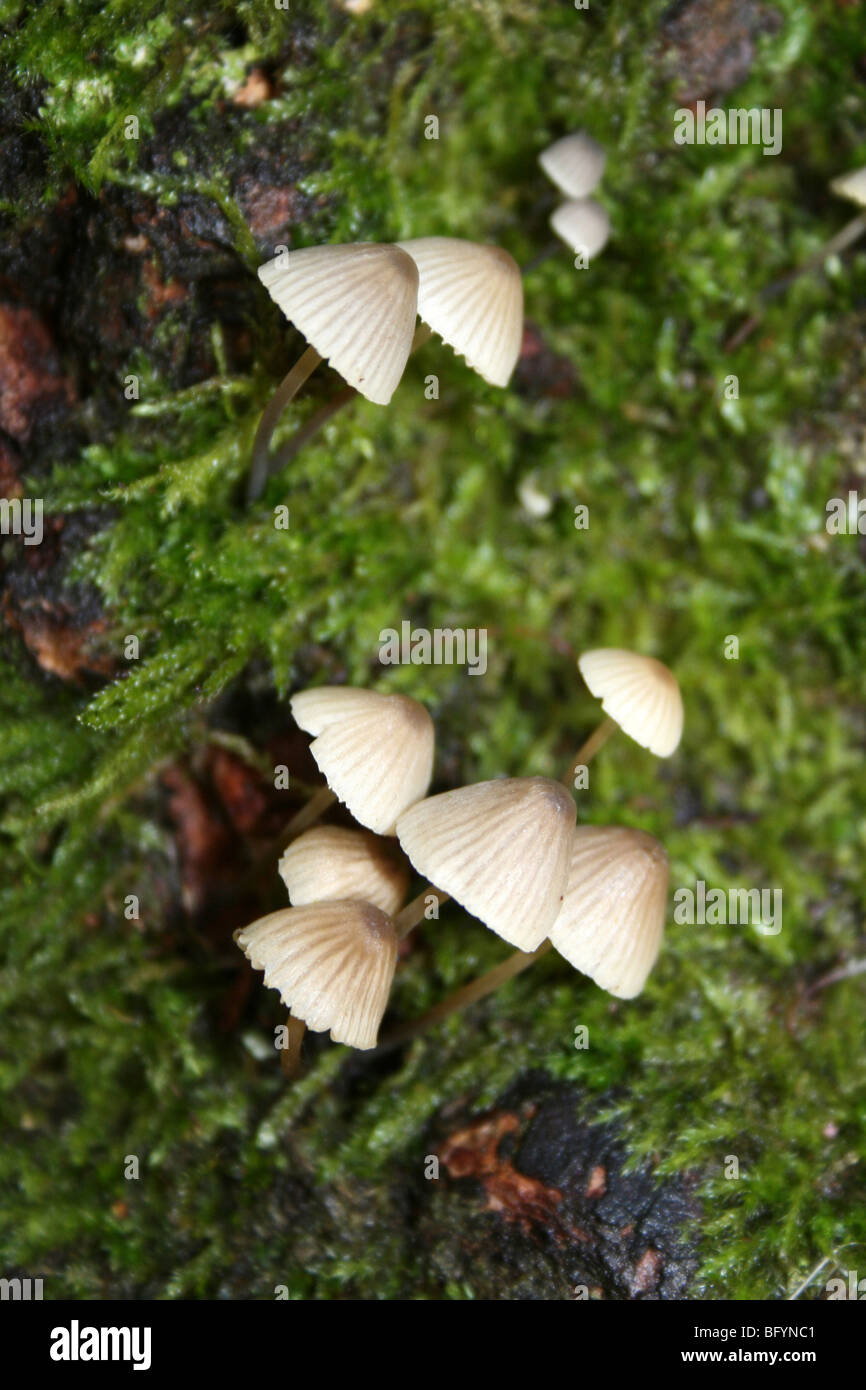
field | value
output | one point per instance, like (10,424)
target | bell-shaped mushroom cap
(500,849)
(330,862)
(575,164)
(639,693)
(375,751)
(333,964)
(611,923)
(852,186)
(583,225)
(355,304)
(472,296)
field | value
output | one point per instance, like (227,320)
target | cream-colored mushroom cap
(500,849)
(639,693)
(333,964)
(375,751)
(852,186)
(575,164)
(330,862)
(472,296)
(612,920)
(583,225)
(356,305)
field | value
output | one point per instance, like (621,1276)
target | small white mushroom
(500,849)
(575,164)
(472,296)
(639,693)
(583,225)
(375,751)
(333,964)
(611,923)
(851,186)
(331,862)
(356,305)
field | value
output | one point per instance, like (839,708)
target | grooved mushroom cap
(575,164)
(472,296)
(639,693)
(612,920)
(356,305)
(332,963)
(329,863)
(500,849)
(583,225)
(852,186)
(375,751)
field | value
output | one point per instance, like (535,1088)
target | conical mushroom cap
(356,305)
(332,963)
(376,754)
(852,186)
(612,920)
(500,849)
(583,225)
(472,296)
(330,863)
(639,693)
(575,164)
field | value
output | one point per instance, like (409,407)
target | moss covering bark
(153,777)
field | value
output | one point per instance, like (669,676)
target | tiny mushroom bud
(575,164)
(375,751)
(639,693)
(500,848)
(355,305)
(583,225)
(331,863)
(332,962)
(472,296)
(611,923)
(852,186)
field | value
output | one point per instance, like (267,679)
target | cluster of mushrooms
(509,851)
(357,304)
(575,164)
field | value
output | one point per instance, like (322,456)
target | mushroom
(331,863)
(575,164)
(611,922)
(851,186)
(583,225)
(472,296)
(375,751)
(500,848)
(332,962)
(639,694)
(356,306)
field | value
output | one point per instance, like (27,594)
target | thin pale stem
(465,996)
(851,232)
(596,740)
(321,417)
(308,815)
(286,391)
(290,1056)
(415,911)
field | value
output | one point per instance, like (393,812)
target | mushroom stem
(314,809)
(588,749)
(286,391)
(316,422)
(290,1056)
(851,232)
(415,911)
(463,997)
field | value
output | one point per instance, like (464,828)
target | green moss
(706,519)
